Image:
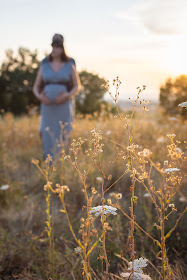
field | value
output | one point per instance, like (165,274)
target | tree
(172,93)
(16,81)
(90,97)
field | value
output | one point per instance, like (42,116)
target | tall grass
(139,166)
(116,164)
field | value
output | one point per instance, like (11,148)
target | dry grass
(24,241)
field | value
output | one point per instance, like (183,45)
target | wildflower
(171,135)
(109,201)
(138,272)
(97,133)
(4,187)
(166,162)
(161,139)
(107,227)
(116,195)
(108,132)
(48,185)
(61,189)
(67,157)
(77,250)
(145,175)
(178,150)
(145,108)
(132,147)
(35,161)
(94,190)
(49,158)
(171,205)
(181,199)
(173,119)
(169,170)
(146,195)
(145,153)
(138,264)
(110,177)
(183,104)
(105,209)
(100,179)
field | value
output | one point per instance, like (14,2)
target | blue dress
(56,119)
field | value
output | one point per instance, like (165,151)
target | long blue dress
(56,119)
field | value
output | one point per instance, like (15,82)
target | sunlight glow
(176,56)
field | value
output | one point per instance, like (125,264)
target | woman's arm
(75,81)
(38,85)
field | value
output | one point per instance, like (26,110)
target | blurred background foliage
(172,93)
(18,73)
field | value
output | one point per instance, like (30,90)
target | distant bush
(172,93)
(16,81)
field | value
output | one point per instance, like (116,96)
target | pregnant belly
(52,91)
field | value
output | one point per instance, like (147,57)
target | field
(104,167)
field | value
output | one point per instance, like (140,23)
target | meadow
(131,164)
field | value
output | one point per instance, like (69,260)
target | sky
(142,41)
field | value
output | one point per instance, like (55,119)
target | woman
(59,80)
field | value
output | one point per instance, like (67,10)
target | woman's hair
(59,42)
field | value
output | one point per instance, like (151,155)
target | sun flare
(176,56)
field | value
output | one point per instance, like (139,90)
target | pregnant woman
(55,86)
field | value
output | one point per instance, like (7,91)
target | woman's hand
(44,99)
(62,98)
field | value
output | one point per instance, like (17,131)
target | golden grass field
(25,249)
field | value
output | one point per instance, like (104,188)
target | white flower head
(146,195)
(173,119)
(169,170)
(138,272)
(178,150)
(108,132)
(119,196)
(106,209)
(116,195)
(145,153)
(166,162)
(132,147)
(4,187)
(100,179)
(138,264)
(171,205)
(181,199)
(77,250)
(161,139)
(183,104)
